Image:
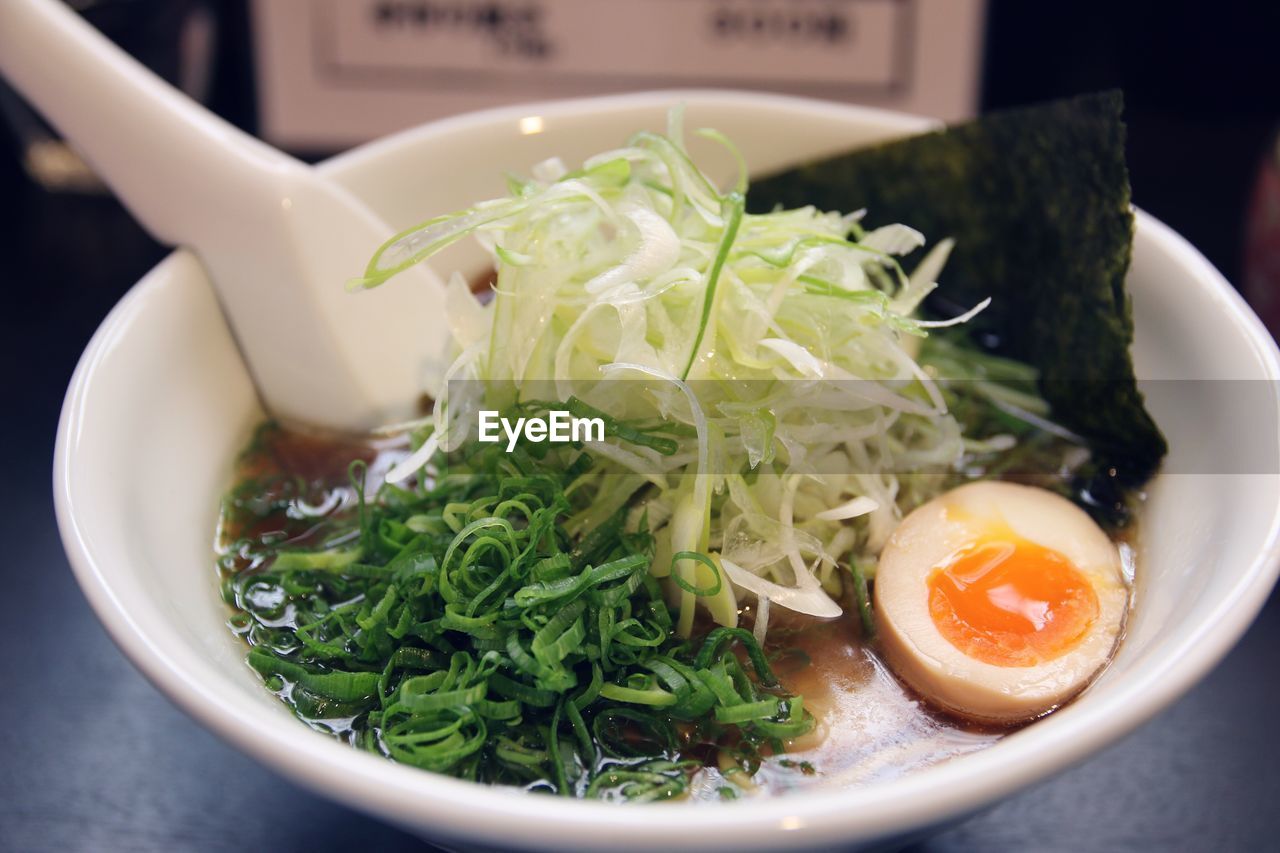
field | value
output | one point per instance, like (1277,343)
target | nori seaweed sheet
(1037,200)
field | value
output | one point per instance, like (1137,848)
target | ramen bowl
(161,403)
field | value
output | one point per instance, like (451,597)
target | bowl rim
(456,809)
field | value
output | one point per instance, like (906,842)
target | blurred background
(96,759)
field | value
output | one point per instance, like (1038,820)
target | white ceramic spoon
(277,238)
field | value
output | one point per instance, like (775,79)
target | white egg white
(930,537)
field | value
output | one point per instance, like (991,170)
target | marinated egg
(998,601)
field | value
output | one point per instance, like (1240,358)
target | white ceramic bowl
(161,403)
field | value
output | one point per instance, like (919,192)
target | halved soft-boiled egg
(999,601)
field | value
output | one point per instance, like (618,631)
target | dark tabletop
(94,758)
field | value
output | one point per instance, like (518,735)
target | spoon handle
(277,239)
(144,138)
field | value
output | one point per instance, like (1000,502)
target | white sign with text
(332,73)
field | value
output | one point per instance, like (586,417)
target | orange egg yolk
(1011,603)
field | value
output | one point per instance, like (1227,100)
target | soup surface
(293,491)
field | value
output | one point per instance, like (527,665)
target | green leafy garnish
(458,627)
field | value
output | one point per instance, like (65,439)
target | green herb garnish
(457,627)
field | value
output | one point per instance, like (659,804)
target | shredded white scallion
(800,408)
(411,464)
